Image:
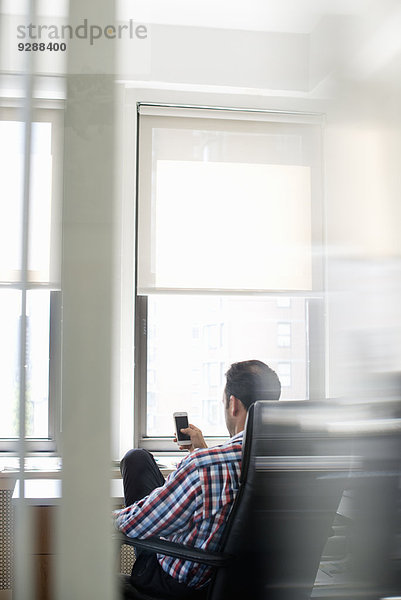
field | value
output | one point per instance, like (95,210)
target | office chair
(281,517)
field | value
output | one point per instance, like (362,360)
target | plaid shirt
(191,508)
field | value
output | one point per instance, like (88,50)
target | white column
(86,564)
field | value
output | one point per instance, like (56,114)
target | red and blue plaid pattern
(191,508)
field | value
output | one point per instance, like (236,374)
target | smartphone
(181,421)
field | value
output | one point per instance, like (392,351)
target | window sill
(43,486)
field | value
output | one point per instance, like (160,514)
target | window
(212,335)
(41,288)
(228,214)
(283,302)
(284,373)
(284,335)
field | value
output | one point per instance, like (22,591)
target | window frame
(51,111)
(315,305)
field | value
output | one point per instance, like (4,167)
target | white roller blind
(11,201)
(226,203)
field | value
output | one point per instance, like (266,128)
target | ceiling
(291,16)
(363,34)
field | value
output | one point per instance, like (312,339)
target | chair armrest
(153,544)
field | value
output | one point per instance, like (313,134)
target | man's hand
(196,436)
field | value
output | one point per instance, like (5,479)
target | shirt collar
(237,436)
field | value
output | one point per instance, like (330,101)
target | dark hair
(252,380)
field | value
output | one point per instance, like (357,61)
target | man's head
(247,382)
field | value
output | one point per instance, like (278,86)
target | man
(191,507)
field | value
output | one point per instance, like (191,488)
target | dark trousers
(141,475)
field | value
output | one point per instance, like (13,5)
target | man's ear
(235,406)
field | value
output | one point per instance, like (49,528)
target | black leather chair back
(291,485)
